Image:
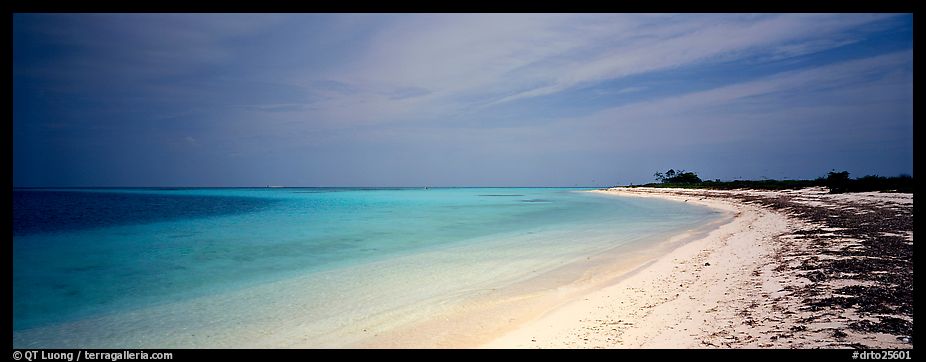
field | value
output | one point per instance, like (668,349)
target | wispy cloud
(837,100)
(498,59)
(414,66)
(440,90)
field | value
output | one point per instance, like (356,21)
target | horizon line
(287,187)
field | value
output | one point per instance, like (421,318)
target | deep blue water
(42,211)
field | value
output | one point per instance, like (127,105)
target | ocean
(309,267)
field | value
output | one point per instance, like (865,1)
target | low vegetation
(836,182)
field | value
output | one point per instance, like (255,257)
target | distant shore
(794,269)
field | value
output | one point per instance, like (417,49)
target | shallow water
(196,267)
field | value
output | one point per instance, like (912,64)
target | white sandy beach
(760,277)
(718,291)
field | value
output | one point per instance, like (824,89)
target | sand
(793,269)
(789,269)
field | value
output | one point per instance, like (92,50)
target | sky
(456,99)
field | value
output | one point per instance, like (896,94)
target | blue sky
(456,99)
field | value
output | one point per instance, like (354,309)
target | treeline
(836,182)
(839,182)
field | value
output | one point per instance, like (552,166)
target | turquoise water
(111,255)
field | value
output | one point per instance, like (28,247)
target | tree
(834,176)
(686,178)
(680,176)
(837,182)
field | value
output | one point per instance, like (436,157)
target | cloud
(839,75)
(833,101)
(409,92)
(700,39)
(630,90)
(525,87)
(387,68)
(469,62)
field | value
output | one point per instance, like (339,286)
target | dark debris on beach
(846,268)
(860,244)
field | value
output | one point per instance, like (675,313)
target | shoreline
(741,286)
(624,308)
(285,313)
(485,318)
(780,269)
